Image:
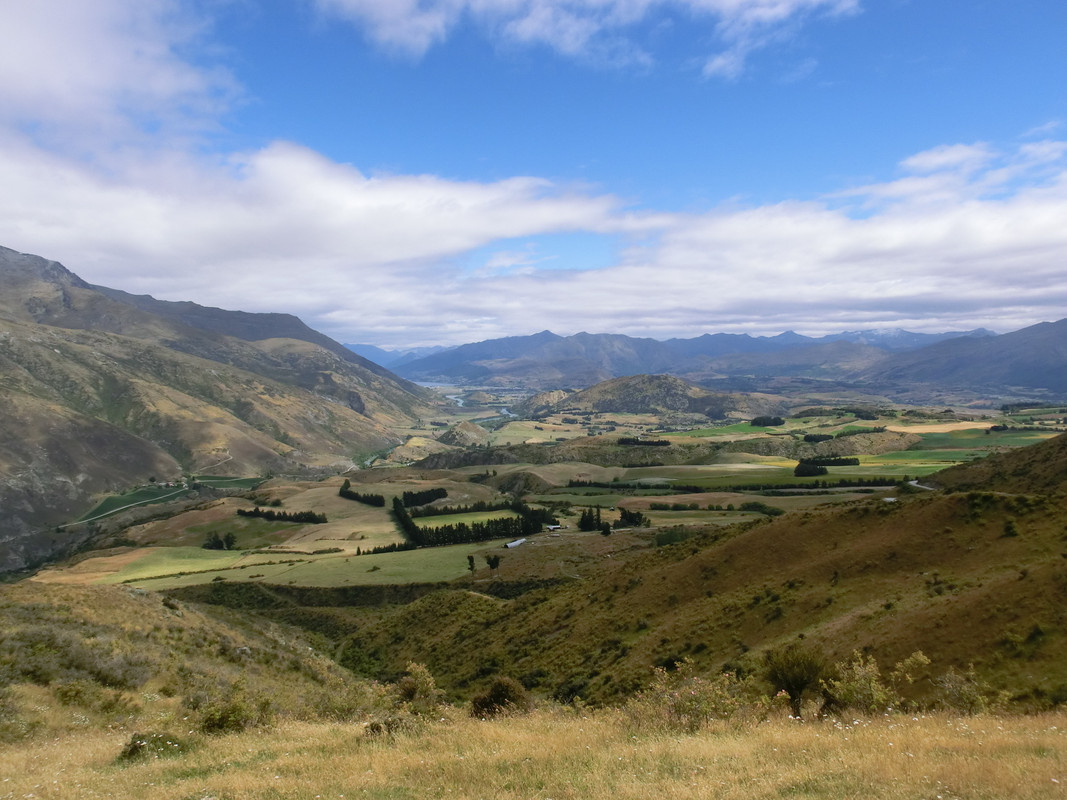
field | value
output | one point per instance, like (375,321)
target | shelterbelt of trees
(529,521)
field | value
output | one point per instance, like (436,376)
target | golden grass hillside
(934,573)
(554,754)
(76,658)
(109,691)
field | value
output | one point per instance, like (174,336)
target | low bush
(681,700)
(504,696)
(45,655)
(234,712)
(417,692)
(965,691)
(154,744)
(858,684)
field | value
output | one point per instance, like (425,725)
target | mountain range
(104,390)
(1031,362)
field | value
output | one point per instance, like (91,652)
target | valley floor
(557,753)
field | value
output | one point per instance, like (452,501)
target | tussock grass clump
(153,744)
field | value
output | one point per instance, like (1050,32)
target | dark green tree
(794,670)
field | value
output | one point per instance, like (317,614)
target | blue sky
(421,172)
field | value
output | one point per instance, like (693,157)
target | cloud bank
(964,235)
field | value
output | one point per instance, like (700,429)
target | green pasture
(170,560)
(439,520)
(981,439)
(713,477)
(157,493)
(793,425)
(564,496)
(158,570)
(250,531)
(222,482)
(142,496)
(736,428)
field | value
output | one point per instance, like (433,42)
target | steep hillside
(1034,357)
(77,658)
(105,395)
(933,573)
(1038,468)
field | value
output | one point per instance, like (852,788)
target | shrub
(45,655)
(344,701)
(78,693)
(417,692)
(793,670)
(857,684)
(504,696)
(235,713)
(762,508)
(682,700)
(966,692)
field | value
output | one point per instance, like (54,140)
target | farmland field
(465,519)
(159,567)
(142,496)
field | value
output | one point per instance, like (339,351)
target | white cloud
(971,234)
(382,257)
(955,156)
(597,29)
(90,74)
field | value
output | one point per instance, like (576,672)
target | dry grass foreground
(556,753)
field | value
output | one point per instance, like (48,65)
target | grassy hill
(107,690)
(971,577)
(931,573)
(105,394)
(1039,468)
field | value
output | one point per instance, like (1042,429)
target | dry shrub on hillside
(407,704)
(682,700)
(504,696)
(417,692)
(858,684)
(231,709)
